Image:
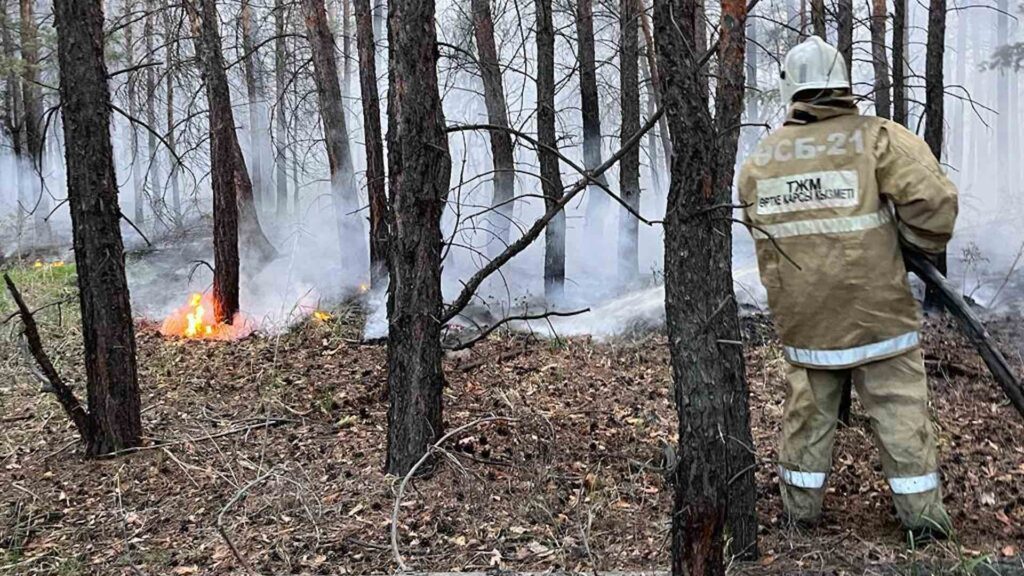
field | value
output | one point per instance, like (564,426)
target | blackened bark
(281,80)
(844,28)
(934,91)
(419,169)
(375,183)
(223,157)
(818,18)
(107,330)
(899,62)
(629,166)
(880,59)
(550,172)
(500,219)
(707,366)
(339,155)
(597,201)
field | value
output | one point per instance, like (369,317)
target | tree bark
(138,176)
(934,89)
(844,28)
(171,31)
(652,63)
(702,321)
(339,155)
(32,105)
(818,19)
(14,121)
(500,220)
(107,330)
(281,80)
(899,62)
(742,497)
(629,166)
(375,178)
(590,106)
(255,93)
(550,172)
(223,158)
(880,60)
(419,167)
(156,192)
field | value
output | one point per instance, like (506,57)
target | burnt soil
(277,441)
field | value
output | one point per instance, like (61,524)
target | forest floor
(275,445)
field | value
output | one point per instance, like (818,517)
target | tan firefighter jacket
(827,197)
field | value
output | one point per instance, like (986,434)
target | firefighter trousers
(895,394)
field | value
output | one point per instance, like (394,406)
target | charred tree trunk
(818,19)
(107,330)
(281,81)
(255,93)
(339,156)
(500,220)
(880,59)
(742,490)
(419,167)
(844,28)
(346,46)
(899,62)
(378,199)
(550,172)
(223,158)
(156,192)
(171,39)
(590,106)
(935,117)
(707,365)
(629,166)
(752,90)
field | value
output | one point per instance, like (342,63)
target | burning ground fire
(195,321)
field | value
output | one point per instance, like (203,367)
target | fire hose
(970,325)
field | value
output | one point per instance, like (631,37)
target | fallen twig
(487,331)
(412,472)
(220,518)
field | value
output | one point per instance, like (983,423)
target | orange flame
(195,320)
(322,316)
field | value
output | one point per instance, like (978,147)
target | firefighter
(830,197)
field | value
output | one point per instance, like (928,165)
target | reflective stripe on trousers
(852,356)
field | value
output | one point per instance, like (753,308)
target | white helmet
(812,65)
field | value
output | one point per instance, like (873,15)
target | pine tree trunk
(652,64)
(500,220)
(339,156)
(107,330)
(701,309)
(137,171)
(590,107)
(899,63)
(281,80)
(14,120)
(818,18)
(844,27)
(934,88)
(375,177)
(32,104)
(742,515)
(879,57)
(156,191)
(629,165)
(550,172)
(254,92)
(419,167)
(171,31)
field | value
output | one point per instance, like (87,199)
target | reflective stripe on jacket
(828,197)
